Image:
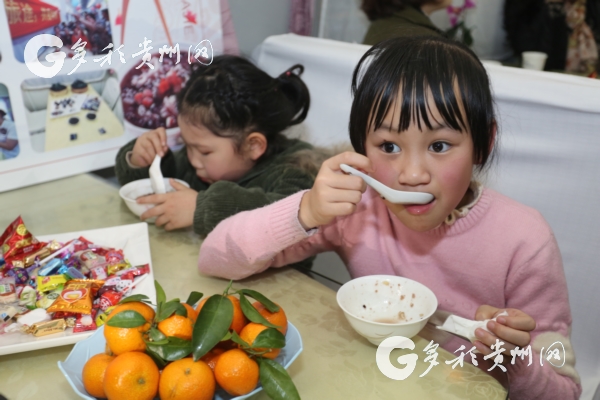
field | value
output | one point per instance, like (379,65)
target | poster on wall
(81,78)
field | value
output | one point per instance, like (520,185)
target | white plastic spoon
(156,177)
(393,196)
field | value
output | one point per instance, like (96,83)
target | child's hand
(149,145)
(334,193)
(513,329)
(173,210)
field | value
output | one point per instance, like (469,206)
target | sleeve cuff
(128,160)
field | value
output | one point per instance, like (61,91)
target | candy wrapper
(49,283)
(49,327)
(16,238)
(85,323)
(8,291)
(76,296)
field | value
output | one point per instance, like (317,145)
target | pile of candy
(47,287)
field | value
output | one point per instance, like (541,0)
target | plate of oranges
(223,347)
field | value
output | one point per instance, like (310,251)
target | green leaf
(227,336)
(269,305)
(193,298)
(127,319)
(134,297)
(275,381)
(169,308)
(252,313)
(160,363)
(181,310)
(156,335)
(160,293)
(211,325)
(235,337)
(269,338)
(174,349)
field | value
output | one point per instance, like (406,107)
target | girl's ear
(255,145)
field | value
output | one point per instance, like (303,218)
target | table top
(336,362)
(58,130)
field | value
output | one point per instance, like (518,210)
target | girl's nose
(413,172)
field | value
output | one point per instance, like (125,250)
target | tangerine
(212,356)
(236,373)
(131,376)
(239,319)
(144,309)
(191,313)
(93,374)
(277,318)
(185,379)
(178,326)
(123,340)
(249,334)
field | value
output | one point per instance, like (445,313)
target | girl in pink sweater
(423,120)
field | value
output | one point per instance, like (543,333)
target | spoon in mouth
(156,177)
(387,193)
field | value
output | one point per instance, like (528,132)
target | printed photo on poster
(71,110)
(149,93)
(9,140)
(70,20)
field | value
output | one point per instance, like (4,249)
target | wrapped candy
(76,296)
(17,238)
(8,292)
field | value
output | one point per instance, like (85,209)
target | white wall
(255,20)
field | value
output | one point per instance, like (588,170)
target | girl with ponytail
(231,115)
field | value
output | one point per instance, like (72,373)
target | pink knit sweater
(501,253)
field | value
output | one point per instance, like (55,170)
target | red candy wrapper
(98,273)
(85,322)
(108,298)
(17,239)
(134,271)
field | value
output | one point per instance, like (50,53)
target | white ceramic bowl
(381,306)
(131,191)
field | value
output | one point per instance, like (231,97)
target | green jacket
(408,22)
(292,170)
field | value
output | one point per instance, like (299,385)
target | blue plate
(95,344)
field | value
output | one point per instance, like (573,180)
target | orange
(187,380)
(250,332)
(277,318)
(178,326)
(212,356)
(93,374)
(144,309)
(123,340)
(131,376)
(192,314)
(236,372)
(239,319)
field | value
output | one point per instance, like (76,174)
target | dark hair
(2,113)
(232,98)
(420,65)
(376,9)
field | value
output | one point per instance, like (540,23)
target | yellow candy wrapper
(49,283)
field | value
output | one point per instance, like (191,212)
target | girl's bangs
(419,98)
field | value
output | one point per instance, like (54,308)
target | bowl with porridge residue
(142,187)
(381,306)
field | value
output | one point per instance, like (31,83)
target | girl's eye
(389,147)
(439,147)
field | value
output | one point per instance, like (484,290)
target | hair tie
(288,73)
